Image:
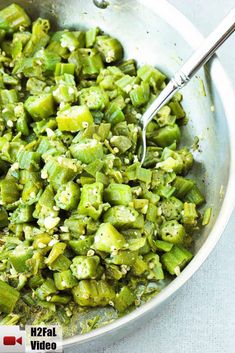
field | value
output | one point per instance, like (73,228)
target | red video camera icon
(11,340)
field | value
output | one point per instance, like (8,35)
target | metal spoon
(187,71)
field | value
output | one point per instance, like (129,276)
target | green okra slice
(8,297)
(207,216)
(122,143)
(67,196)
(95,98)
(46,289)
(87,151)
(39,38)
(57,250)
(176,259)
(62,68)
(61,263)
(60,170)
(128,67)
(94,167)
(183,186)
(173,232)
(151,75)
(90,36)
(123,257)
(13,17)
(114,113)
(81,246)
(124,299)
(91,200)
(155,267)
(118,194)
(171,208)
(74,118)
(40,107)
(65,280)
(189,214)
(121,216)
(93,293)
(110,48)
(22,214)
(19,256)
(9,191)
(108,239)
(193,195)
(85,267)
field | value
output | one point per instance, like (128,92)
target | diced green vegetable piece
(22,214)
(8,297)
(206,216)
(94,167)
(189,214)
(95,98)
(67,196)
(62,68)
(87,151)
(19,256)
(140,95)
(13,17)
(118,194)
(8,96)
(108,239)
(163,245)
(93,293)
(74,118)
(61,263)
(183,187)
(85,267)
(172,231)
(40,107)
(81,246)
(126,257)
(122,143)
(152,213)
(171,208)
(57,250)
(128,67)
(9,191)
(194,195)
(121,216)
(110,48)
(155,266)
(124,299)
(167,135)
(176,259)
(39,38)
(177,109)
(46,289)
(60,170)
(91,200)
(151,75)
(64,280)
(91,37)
(114,114)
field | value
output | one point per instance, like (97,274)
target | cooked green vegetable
(82,222)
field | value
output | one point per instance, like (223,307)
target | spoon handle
(192,65)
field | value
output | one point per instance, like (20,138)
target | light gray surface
(201,319)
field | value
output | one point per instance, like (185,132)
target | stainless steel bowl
(154,32)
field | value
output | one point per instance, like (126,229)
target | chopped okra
(82,222)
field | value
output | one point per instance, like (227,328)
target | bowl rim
(220,79)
